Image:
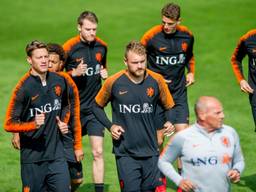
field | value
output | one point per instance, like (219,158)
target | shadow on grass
(89,187)
(248,181)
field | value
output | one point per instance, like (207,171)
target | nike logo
(122,92)
(34,97)
(162,48)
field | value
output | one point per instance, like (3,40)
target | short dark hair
(136,47)
(56,48)
(87,15)
(171,11)
(33,45)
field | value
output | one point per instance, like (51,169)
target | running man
(86,63)
(134,94)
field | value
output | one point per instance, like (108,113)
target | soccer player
(210,151)
(38,110)
(70,137)
(134,94)
(246,46)
(170,51)
(86,63)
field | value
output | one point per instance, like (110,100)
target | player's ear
(79,27)
(125,61)
(29,60)
(179,21)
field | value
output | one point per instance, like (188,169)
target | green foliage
(217,26)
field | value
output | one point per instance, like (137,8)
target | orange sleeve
(104,94)
(75,112)
(150,33)
(236,60)
(165,95)
(15,109)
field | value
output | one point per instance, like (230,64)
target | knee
(97,153)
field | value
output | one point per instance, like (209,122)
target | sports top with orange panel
(133,108)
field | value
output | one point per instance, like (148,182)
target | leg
(96,134)
(151,178)
(33,175)
(129,174)
(252,98)
(58,178)
(98,161)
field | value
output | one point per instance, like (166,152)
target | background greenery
(217,26)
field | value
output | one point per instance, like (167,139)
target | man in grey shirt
(210,152)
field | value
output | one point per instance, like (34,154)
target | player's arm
(101,100)
(74,110)
(170,153)
(190,77)
(16,107)
(236,62)
(237,161)
(103,69)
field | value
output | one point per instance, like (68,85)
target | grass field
(217,26)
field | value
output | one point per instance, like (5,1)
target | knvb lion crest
(98,57)
(225,141)
(184,46)
(57,90)
(150,92)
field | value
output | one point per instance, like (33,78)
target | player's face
(39,61)
(214,117)
(169,25)
(54,62)
(136,64)
(87,30)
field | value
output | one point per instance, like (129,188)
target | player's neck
(135,79)
(42,76)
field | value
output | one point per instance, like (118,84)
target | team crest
(26,189)
(184,46)
(150,92)
(225,141)
(98,57)
(226,159)
(57,90)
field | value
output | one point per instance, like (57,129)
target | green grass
(217,26)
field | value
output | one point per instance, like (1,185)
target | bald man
(210,151)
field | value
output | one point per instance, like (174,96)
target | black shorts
(75,170)
(91,126)
(179,114)
(138,173)
(46,176)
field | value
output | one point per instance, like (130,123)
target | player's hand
(62,126)
(103,73)
(16,140)
(245,87)
(80,69)
(234,175)
(186,185)
(79,154)
(39,120)
(116,131)
(169,128)
(190,79)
